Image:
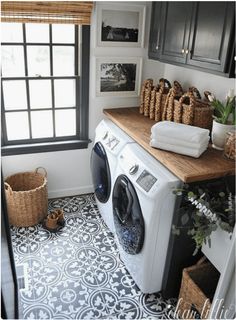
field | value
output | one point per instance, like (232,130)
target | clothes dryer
(109,141)
(143,206)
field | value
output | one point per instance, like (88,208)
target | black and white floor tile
(77,273)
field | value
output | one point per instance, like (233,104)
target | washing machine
(109,141)
(143,207)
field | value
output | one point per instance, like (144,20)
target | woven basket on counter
(155,89)
(147,99)
(192,110)
(172,98)
(145,96)
(27,198)
(197,290)
(161,96)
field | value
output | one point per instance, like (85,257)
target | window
(44,87)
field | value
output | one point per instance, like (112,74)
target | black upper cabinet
(211,30)
(155,34)
(194,34)
(175,29)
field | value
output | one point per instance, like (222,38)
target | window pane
(63,33)
(11,32)
(41,122)
(38,60)
(63,61)
(37,32)
(14,93)
(17,125)
(13,61)
(40,94)
(65,123)
(64,93)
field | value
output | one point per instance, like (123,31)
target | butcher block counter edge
(210,165)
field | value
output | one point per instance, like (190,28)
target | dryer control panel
(146,180)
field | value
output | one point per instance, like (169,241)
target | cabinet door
(212,35)
(176,26)
(155,31)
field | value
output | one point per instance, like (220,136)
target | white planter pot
(218,134)
(219,250)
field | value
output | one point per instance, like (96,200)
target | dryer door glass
(128,218)
(100,173)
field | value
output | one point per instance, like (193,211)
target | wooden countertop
(210,165)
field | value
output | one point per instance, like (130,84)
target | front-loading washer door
(128,218)
(100,173)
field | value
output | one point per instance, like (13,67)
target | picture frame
(120,25)
(120,77)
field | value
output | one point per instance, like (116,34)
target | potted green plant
(224,119)
(209,209)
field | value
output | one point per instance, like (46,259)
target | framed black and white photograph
(120,25)
(118,77)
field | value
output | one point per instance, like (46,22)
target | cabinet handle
(186,51)
(183,51)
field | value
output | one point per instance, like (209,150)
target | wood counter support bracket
(210,165)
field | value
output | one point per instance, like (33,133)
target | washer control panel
(110,140)
(133,169)
(146,180)
(105,135)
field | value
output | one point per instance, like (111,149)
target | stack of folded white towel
(179,138)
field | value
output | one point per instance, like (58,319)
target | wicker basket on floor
(27,198)
(198,286)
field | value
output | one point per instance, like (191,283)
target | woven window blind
(74,12)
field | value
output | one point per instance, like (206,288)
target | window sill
(44,147)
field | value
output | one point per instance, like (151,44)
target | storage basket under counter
(197,290)
(27,198)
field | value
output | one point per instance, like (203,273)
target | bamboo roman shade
(74,12)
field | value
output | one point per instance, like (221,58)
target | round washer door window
(100,173)
(128,218)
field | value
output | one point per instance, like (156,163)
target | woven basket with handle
(173,96)
(161,96)
(197,290)
(147,99)
(192,110)
(203,115)
(145,95)
(27,198)
(155,89)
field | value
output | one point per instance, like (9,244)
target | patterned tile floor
(77,273)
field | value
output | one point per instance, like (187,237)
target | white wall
(69,171)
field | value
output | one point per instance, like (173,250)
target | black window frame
(80,140)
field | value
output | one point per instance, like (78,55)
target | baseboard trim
(70,192)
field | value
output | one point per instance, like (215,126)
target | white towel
(178,142)
(179,131)
(192,152)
